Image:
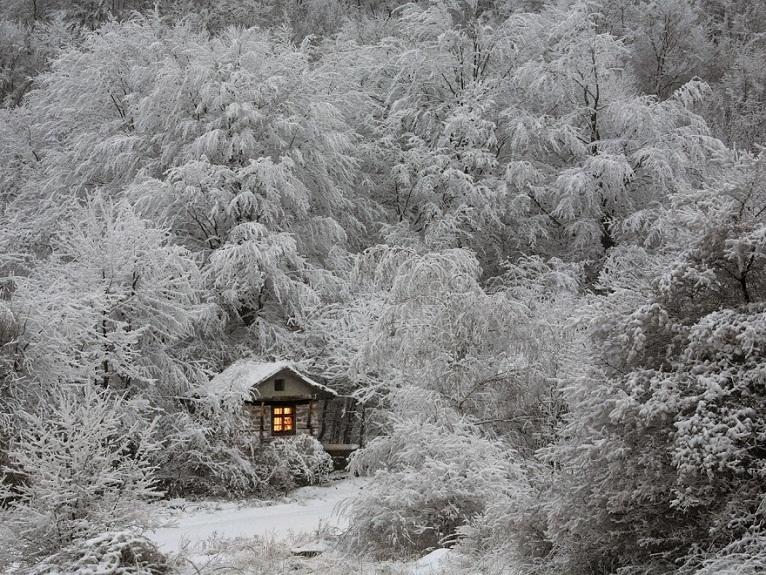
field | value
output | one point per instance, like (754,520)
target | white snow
(309,509)
(434,562)
(243,375)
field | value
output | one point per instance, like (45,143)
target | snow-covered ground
(304,512)
(433,563)
(212,537)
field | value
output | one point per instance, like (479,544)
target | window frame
(293,413)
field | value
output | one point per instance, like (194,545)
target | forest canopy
(528,235)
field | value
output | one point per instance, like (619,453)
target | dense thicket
(530,234)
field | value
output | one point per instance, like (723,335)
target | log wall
(253,411)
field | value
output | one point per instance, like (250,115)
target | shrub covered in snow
(745,556)
(206,453)
(82,471)
(111,553)
(431,474)
(663,458)
(301,460)
(210,453)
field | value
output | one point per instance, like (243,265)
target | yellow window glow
(283,419)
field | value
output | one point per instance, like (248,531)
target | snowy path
(310,507)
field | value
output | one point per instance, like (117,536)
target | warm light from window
(283,419)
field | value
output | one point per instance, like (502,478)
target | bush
(663,453)
(512,528)
(117,553)
(430,478)
(745,556)
(302,459)
(82,472)
(207,454)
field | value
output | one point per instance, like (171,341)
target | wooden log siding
(259,419)
(303,419)
(323,421)
(263,429)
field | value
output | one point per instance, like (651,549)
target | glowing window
(283,420)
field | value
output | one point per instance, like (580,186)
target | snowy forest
(527,237)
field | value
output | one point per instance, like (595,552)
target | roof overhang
(244,376)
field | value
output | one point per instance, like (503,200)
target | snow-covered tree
(588,150)
(439,81)
(81,469)
(430,475)
(109,305)
(511,230)
(668,41)
(664,442)
(424,320)
(237,143)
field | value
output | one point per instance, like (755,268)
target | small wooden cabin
(280,400)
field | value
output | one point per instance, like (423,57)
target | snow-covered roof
(244,375)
